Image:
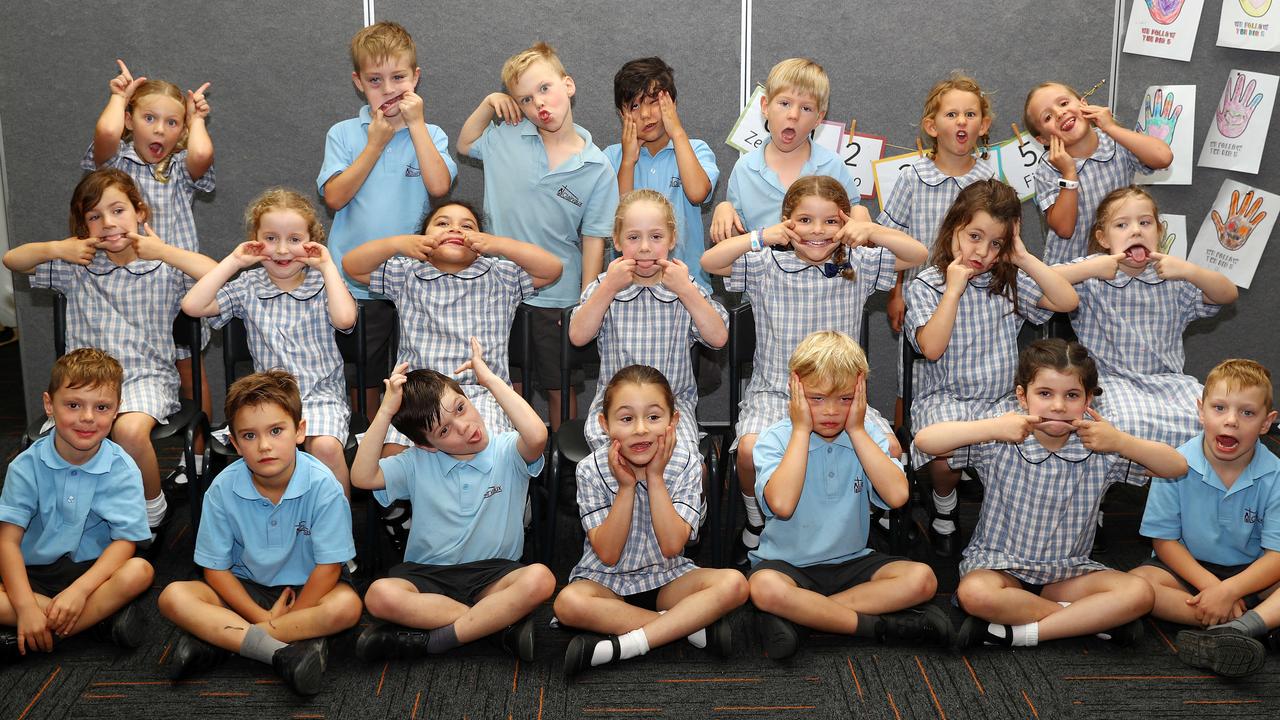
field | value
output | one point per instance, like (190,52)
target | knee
(328,449)
(922,582)
(572,607)
(768,591)
(173,597)
(136,575)
(346,610)
(380,599)
(975,599)
(1139,593)
(733,588)
(537,584)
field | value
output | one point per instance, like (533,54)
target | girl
(963,315)
(1135,304)
(639,497)
(152,132)
(290,306)
(1026,574)
(835,265)
(122,288)
(647,310)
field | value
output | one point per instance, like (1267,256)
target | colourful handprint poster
(1250,25)
(1163,28)
(1173,240)
(1238,133)
(1234,234)
(1169,114)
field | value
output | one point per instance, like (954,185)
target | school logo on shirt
(857,485)
(1250,516)
(302,529)
(675,181)
(493,490)
(411,171)
(565,193)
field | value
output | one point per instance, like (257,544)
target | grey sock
(258,645)
(442,639)
(868,626)
(1250,623)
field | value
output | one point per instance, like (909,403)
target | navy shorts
(463,583)
(831,578)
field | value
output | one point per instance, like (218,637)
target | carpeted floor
(831,677)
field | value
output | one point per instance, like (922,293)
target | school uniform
(1039,513)
(648,325)
(128,311)
(641,567)
(661,172)
(790,300)
(1133,328)
(291,330)
(974,377)
(756,192)
(1111,166)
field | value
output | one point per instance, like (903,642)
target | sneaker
(383,640)
(8,645)
(577,656)
(1126,635)
(517,639)
(779,636)
(1225,651)
(127,628)
(720,637)
(301,666)
(923,623)
(191,656)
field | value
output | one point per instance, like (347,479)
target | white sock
(630,645)
(753,510)
(697,638)
(1026,635)
(945,505)
(156,508)
(1064,603)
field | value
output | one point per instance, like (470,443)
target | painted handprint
(1234,233)
(1164,11)
(1161,115)
(1255,8)
(1233,116)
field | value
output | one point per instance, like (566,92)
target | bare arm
(587,319)
(671,530)
(32,625)
(366,473)
(1183,563)
(935,335)
(543,266)
(499,105)
(364,258)
(1057,294)
(202,299)
(610,537)
(323,578)
(719,259)
(110,125)
(28,256)
(592,259)
(783,489)
(199,144)
(231,591)
(711,327)
(942,438)
(525,420)
(435,173)
(339,189)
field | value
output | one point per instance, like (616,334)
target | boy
(816,474)
(794,103)
(656,153)
(1216,530)
(381,168)
(461,579)
(71,513)
(274,536)
(546,183)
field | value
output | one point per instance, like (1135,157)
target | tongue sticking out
(156,149)
(1138,254)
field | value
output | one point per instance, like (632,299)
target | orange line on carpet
(416,699)
(893,706)
(178,538)
(1030,705)
(854,675)
(1163,637)
(149,682)
(1220,702)
(381,678)
(973,675)
(541,689)
(1138,677)
(164,654)
(89,696)
(308,717)
(515,676)
(929,684)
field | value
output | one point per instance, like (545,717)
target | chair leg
(548,530)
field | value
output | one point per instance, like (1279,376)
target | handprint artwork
(1252,8)
(1166,11)
(1161,116)
(1237,107)
(1234,233)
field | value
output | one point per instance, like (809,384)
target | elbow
(578,336)
(672,547)
(931,353)
(717,339)
(781,509)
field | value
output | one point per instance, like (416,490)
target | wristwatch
(1066,184)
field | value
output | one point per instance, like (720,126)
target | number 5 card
(1018,158)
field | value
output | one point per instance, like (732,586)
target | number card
(1233,236)
(859,153)
(748,132)
(1018,165)
(887,171)
(828,135)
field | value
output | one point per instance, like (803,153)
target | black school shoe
(974,632)
(778,635)
(517,639)
(191,656)
(924,624)
(301,665)
(1126,635)
(945,546)
(577,656)
(1225,651)
(127,628)
(720,637)
(386,641)
(740,550)
(9,645)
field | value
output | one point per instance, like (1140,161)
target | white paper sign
(1238,133)
(1169,114)
(828,135)
(1018,164)
(1250,25)
(887,171)
(1233,236)
(1174,240)
(1163,28)
(748,132)
(859,153)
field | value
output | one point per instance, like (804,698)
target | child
(545,182)
(646,310)
(639,497)
(291,305)
(380,170)
(816,475)
(1026,575)
(836,264)
(447,290)
(794,104)
(964,313)
(152,132)
(273,538)
(462,578)
(1089,155)
(66,538)
(1135,304)
(122,289)
(657,154)
(1215,530)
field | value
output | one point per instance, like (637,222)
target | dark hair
(440,203)
(645,76)
(273,387)
(827,188)
(89,191)
(637,375)
(1001,202)
(419,411)
(1062,356)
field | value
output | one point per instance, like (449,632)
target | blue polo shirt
(463,510)
(552,209)
(756,192)
(1218,525)
(832,519)
(75,510)
(661,172)
(275,544)
(392,199)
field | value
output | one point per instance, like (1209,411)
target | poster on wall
(1238,133)
(1018,160)
(828,135)
(1173,239)
(1250,25)
(887,171)
(858,152)
(1163,28)
(1168,113)
(748,132)
(1234,234)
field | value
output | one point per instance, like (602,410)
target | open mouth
(390,104)
(112,239)
(640,447)
(1068,124)
(452,241)
(475,436)
(650,128)
(1138,254)
(976,264)
(1226,444)
(788,136)
(962,137)
(816,243)
(156,149)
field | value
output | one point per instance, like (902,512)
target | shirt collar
(660,292)
(817,442)
(1148,276)
(1263,463)
(789,262)
(130,153)
(426,271)
(102,265)
(482,462)
(97,465)
(1035,453)
(939,281)
(669,146)
(312,285)
(930,175)
(528,129)
(298,485)
(366,118)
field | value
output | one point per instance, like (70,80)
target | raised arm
(342,307)
(365,470)
(28,256)
(364,258)
(525,420)
(1103,267)
(110,126)
(943,438)
(711,327)
(1218,289)
(1057,294)
(719,259)
(783,487)
(151,247)
(935,335)
(885,475)
(499,105)
(1150,151)
(202,299)
(586,320)
(543,266)
(909,251)
(199,144)
(435,173)
(694,180)
(339,189)
(671,530)
(1101,436)
(1061,216)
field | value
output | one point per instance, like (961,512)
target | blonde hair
(1107,207)
(1028,122)
(962,83)
(829,360)
(645,195)
(279,198)
(1238,374)
(160,170)
(827,188)
(381,41)
(518,64)
(86,368)
(802,76)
